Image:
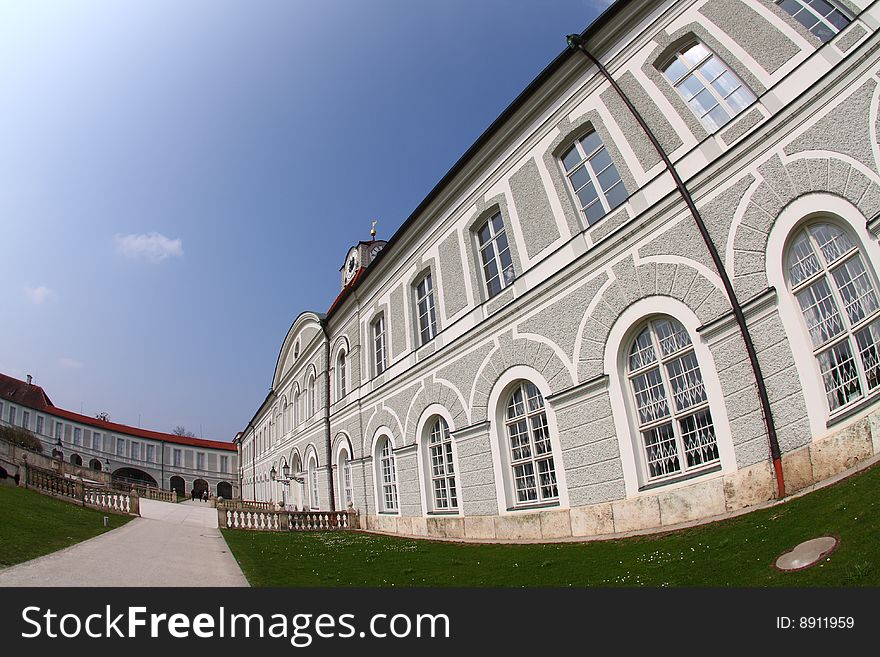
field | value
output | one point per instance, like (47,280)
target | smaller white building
(133,456)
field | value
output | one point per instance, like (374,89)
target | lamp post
(285,477)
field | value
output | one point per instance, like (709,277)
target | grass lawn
(32,524)
(737,552)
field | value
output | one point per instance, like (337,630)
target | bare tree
(103,415)
(182,431)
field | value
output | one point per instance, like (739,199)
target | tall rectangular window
(425,309)
(40,421)
(824,18)
(151,453)
(59,430)
(200,460)
(77,436)
(593,177)
(25,419)
(176,458)
(379,345)
(495,257)
(96,442)
(120,447)
(224,464)
(135,451)
(711,90)
(11,416)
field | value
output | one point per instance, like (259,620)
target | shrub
(21,437)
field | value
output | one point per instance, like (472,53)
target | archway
(199,487)
(132,477)
(224,490)
(95,464)
(178,485)
(76,459)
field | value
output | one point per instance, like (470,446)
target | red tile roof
(33,396)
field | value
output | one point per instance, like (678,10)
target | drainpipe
(327,436)
(576,42)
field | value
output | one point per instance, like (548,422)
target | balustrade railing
(52,483)
(239,505)
(294,521)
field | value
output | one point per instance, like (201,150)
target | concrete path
(169,545)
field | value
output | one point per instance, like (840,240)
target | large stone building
(132,455)
(563,341)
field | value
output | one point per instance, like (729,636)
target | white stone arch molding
(422,434)
(622,332)
(805,209)
(497,408)
(311,452)
(302,321)
(380,433)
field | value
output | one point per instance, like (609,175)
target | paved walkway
(169,545)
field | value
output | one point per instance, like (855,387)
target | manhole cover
(807,553)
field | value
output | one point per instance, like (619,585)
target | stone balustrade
(294,521)
(105,499)
(244,505)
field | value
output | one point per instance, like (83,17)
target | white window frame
(312,474)
(59,430)
(200,461)
(11,415)
(673,416)
(150,455)
(40,425)
(224,463)
(380,345)
(443,491)
(135,451)
(819,19)
(311,398)
(586,161)
(176,457)
(26,420)
(506,274)
(720,100)
(386,484)
(849,329)
(341,374)
(344,475)
(426,312)
(77,436)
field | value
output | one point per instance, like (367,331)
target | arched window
(707,85)
(297,407)
(441,468)
(311,398)
(341,374)
(531,453)
(313,483)
(837,295)
(671,405)
(346,490)
(594,179)
(387,479)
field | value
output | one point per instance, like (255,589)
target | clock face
(351,265)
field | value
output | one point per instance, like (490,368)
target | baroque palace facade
(133,456)
(562,341)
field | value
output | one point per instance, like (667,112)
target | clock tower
(360,256)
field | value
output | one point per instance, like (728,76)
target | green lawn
(737,552)
(32,524)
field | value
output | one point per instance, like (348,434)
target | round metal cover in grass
(807,553)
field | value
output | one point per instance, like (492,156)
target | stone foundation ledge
(824,461)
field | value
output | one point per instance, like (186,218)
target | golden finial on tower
(373,229)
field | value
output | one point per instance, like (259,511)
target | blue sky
(179,179)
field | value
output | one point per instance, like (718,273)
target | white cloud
(38,295)
(152,247)
(69,363)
